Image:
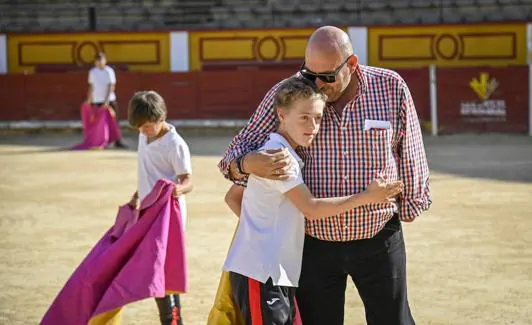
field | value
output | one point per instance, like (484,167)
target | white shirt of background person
(100,80)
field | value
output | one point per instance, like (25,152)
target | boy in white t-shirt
(264,261)
(162,154)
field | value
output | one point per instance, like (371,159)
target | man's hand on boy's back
(271,163)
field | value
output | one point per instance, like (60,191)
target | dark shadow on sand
(35,151)
(488,156)
(202,142)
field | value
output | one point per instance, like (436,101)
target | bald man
(369,129)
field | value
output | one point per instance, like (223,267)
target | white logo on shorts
(271,302)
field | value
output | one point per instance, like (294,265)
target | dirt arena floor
(469,257)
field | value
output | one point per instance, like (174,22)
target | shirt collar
(362,80)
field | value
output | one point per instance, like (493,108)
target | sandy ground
(469,257)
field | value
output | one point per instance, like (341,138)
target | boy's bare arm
(183,184)
(110,90)
(233,198)
(315,208)
(89,94)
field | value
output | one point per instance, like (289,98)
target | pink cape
(134,260)
(100,127)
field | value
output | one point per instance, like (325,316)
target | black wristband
(239,165)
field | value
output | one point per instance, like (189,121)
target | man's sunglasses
(328,77)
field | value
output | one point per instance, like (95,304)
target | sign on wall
(483,99)
(484,108)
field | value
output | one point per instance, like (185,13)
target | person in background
(101,92)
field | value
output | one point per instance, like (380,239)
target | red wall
(206,94)
(212,94)
(236,93)
(417,80)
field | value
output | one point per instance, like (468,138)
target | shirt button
(345,153)
(345,178)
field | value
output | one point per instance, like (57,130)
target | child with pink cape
(100,127)
(142,255)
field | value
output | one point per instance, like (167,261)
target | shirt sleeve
(112,76)
(294,179)
(253,135)
(91,77)
(179,157)
(412,162)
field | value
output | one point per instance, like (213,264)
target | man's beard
(332,94)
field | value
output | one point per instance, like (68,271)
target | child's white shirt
(271,230)
(100,79)
(164,158)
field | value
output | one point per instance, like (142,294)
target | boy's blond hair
(295,88)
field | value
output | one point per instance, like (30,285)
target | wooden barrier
(212,94)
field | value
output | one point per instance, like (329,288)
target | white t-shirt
(164,158)
(271,230)
(100,80)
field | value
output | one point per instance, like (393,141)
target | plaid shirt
(344,158)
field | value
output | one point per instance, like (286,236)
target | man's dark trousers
(377,267)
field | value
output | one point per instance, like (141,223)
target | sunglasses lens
(328,79)
(308,76)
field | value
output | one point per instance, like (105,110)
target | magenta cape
(100,127)
(134,260)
